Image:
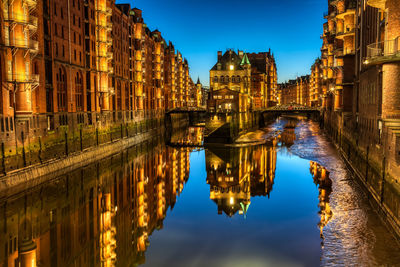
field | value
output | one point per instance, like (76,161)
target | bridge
(292,109)
(186,110)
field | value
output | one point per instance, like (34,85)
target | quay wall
(370,162)
(68,148)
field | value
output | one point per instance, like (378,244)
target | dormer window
(219,66)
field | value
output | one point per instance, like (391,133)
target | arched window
(227,79)
(79,92)
(61,79)
(222,79)
(216,79)
(238,79)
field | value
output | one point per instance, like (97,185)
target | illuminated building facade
(240,82)
(360,67)
(80,64)
(316,91)
(296,91)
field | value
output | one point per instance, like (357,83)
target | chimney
(219,55)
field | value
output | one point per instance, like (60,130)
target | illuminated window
(231,67)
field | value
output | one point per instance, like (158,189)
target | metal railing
(22,78)
(384,48)
(345,51)
(22,43)
(21,18)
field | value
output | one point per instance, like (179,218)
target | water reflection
(189,137)
(288,135)
(237,173)
(106,214)
(97,216)
(321,178)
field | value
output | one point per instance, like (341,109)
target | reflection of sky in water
(280,231)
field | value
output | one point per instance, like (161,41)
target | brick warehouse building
(360,93)
(295,91)
(88,64)
(240,82)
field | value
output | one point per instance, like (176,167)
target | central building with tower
(242,82)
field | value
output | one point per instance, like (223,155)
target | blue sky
(199,28)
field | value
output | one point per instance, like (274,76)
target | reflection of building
(288,136)
(188,137)
(101,215)
(236,174)
(321,178)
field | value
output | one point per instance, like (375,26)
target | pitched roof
(229,58)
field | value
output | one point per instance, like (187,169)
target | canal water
(289,202)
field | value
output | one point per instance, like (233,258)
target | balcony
(345,52)
(106,41)
(381,4)
(22,78)
(21,18)
(104,89)
(383,52)
(31,3)
(22,43)
(348,30)
(346,12)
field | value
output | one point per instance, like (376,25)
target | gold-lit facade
(241,82)
(237,174)
(101,215)
(81,68)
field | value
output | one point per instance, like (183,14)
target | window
(79,92)
(61,79)
(127,96)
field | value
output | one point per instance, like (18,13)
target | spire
(198,80)
(245,60)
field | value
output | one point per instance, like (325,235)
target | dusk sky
(199,28)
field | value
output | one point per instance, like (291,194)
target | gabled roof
(230,57)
